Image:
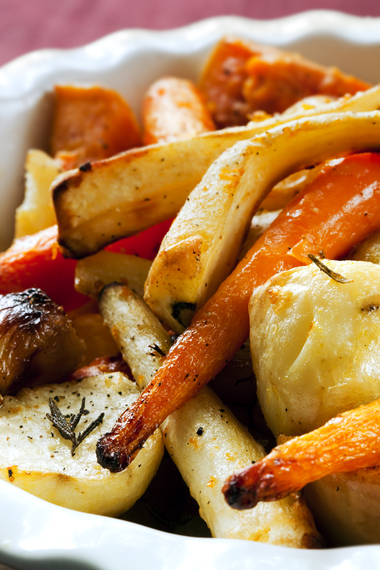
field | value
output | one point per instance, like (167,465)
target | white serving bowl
(36,534)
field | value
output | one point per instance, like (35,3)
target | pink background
(27,25)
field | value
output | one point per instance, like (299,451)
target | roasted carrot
(91,123)
(348,442)
(174,109)
(242,77)
(336,211)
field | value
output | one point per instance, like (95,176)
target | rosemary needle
(66,428)
(323,267)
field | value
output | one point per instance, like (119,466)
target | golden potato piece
(314,344)
(36,458)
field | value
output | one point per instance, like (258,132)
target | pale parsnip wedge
(36,212)
(204,438)
(141,338)
(96,271)
(34,457)
(202,245)
(207,443)
(123,195)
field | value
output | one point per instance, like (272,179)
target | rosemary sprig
(156,349)
(66,428)
(323,267)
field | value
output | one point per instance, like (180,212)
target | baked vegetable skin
(36,261)
(348,442)
(318,219)
(38,341)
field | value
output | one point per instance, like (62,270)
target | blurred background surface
(37,24)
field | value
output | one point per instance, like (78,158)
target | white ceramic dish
(35,534)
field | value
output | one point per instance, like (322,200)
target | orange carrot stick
(348,442)
(332,214)
(174,109)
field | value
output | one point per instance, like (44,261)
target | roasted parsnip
(203,243)
(318,219)
(147,185)
(203,438)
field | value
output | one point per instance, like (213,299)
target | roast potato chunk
(314,344)
(36,458)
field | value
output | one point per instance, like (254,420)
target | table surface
(37,24)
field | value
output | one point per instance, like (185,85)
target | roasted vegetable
(242,77)
(35,261)
(91,123)
(318,219)
(314,344)
(174,109)
(38,341)
(347,442)
(145,186)
(36,212)
(36,458)
(203,438)
(203,243)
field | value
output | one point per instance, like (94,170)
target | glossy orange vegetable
(336,211)
(242,77)
(91,123)
(348,442)
(174,109)
(36,261)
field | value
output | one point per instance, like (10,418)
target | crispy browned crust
(38,341)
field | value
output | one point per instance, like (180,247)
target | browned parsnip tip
(348,442)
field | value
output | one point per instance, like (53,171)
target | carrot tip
(237,495)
